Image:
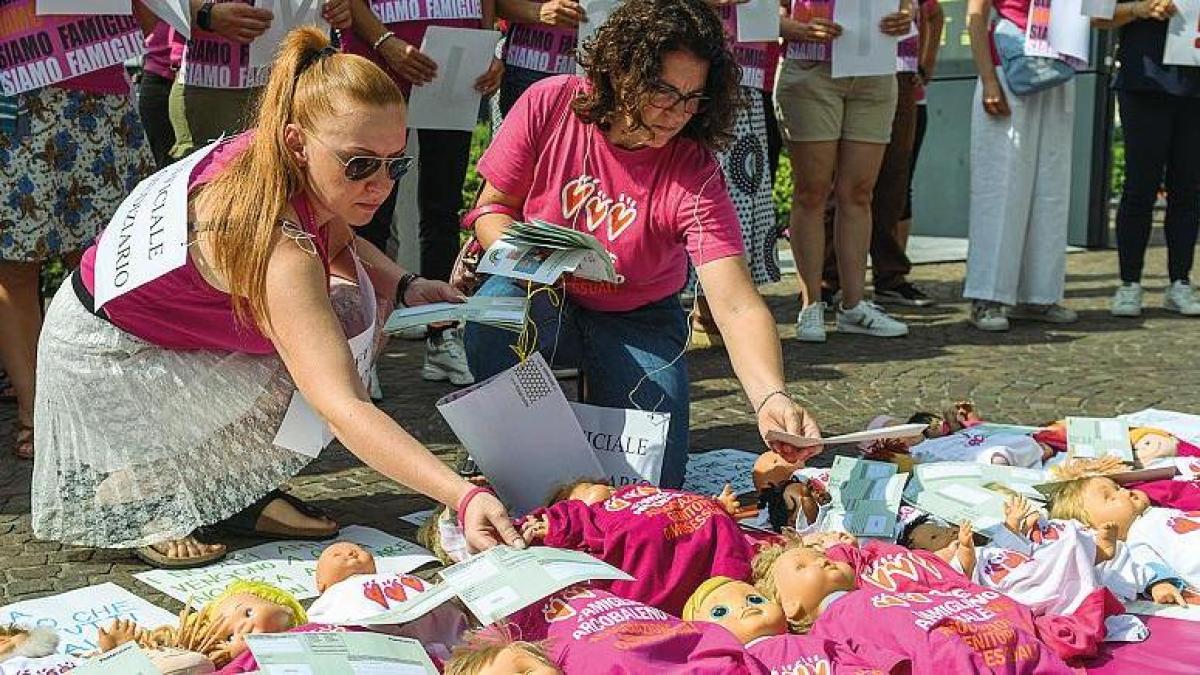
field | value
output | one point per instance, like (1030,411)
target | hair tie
(312,57)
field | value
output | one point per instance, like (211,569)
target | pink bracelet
(463,503)
(468,220)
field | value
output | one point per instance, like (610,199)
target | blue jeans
(615,351)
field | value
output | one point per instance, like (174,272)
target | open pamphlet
(542,252)
(935,475)
(865,498)
(128,659)
(898,431)
(955,492)
(338,653)
(506,313)
(1096,437)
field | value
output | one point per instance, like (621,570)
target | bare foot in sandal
(181,553)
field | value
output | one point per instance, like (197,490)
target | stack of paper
(955,492)
(339,653)
(1095,437)
(506,313)
(541,252)
(865,497)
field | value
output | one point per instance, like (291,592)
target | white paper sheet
(288,14)
(451,101)
(47,7)
(128,659)
(629,444)
(520,430)
(597,12)
(417,518)
(862,49)
(1070,30)
(1149,608)
(78,615)
(1099,9)
(1098,437)
(1183,35)
(1183,426)
(177,13)
(758,21)
(709,472)
(290,565)
(898,431)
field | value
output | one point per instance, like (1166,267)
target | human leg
(20,322)
(550,328)
(1183,190)
(444,158)
(889,264)
(153,94)
(1146,122)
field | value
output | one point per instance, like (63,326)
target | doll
(194,646)
(1153,444)
(30,651)
(669,541)
(919,610)
(495,652)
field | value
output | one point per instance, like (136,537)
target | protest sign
(1095,437)
(451,100)
(865,497)
(862,49)
(758,21)
(128,659)
(1099,9)
(45,7)
(287,15)
(39,51)
(177,14)
(709,472)
(546,49)
(629,444)
(338,653)
(290,565)
(1183,35)
(78,615)
(1057,33)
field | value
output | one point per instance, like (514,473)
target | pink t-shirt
(409,20)
(159,50)
(546,49)
(791,654)
(809,50)
(669,541)
(1016,11)
(591,631)
(650,208)
(181,310)
(757,59)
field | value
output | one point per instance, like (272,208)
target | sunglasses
(666,97)
(362,167)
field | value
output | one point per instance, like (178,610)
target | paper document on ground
(47,7)
(290,565)
(338,653)
(898,431)
(758,21)
(629,444)
(934,475)
(1183,35)
(506,313)
(709,472)
(78,615)
(287,15)
(128,659)
(862,49)
(520,430)
(503,580)
(958,502)
(451,101)
(1098,437)
(417,606)
(865,497)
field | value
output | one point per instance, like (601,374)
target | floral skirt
(65,168)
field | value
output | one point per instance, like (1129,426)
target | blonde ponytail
(244,202)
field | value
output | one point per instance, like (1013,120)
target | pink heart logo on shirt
(1183,525)
(620,217)
(885,600)
(557,610)
(596,211)
(574,194)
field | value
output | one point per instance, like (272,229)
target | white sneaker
(446,359)
(1053,313)
(373,387)
(810,325)
(413,333)
(869,319)
(1180,298)
(989,316)
(1127,301)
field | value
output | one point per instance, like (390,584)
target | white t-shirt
(55,664)
(1051,576)
(1171,535)
(967,446)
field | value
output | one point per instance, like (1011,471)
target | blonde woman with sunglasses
(173,406)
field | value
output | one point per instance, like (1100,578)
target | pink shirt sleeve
(509,161)
(708,221)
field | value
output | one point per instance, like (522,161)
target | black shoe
(829,296)
(904,294)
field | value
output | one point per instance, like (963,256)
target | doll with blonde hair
(496,652)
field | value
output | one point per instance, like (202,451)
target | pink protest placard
(804,11)
(1037,34)
(399,11)
(38,51)
(543,48)
(210,60)
(753,57)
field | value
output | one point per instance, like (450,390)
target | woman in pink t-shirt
(192,392)
(626,155)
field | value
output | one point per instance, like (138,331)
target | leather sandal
(246,522)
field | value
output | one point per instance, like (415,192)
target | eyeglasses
(362,167)
(666,97)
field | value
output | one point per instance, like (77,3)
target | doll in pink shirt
(669,541)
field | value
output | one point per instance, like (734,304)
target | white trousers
(1020,197)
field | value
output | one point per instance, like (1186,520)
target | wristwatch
(402,287)
(204,16)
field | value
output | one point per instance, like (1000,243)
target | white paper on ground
(1099,9)
(451,100)
(862,49)
(78,615)
(288,14)
(758,21)
(290,565)
(1070,30)
(1098,437)
(47,7)
(128,659)
(1183,35)
(898,431)
(629,444)
(520,430)
(177,14)
(709,472)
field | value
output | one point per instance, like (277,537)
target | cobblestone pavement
(1099,366)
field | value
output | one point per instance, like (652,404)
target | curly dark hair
(623,61)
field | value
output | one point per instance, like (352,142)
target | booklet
(506,313)
(541,252)
(898,431)
(865,497)
(503,580)
(128,659)
(957,502)
(338,653)
(1098,437)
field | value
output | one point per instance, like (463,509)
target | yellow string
(527,340)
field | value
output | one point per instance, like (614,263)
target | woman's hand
(994,101)
(337,13)
(240,23)
(780,413)
(896,24)
(407,61)
(1158,10)
(486,524)
(564,13)
(820,30)
(489,82)
(424,291)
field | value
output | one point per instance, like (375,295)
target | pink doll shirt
(650,208)
(669,541)
(791,654)
(180,309)
(592,632)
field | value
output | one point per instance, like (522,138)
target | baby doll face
(826,540)
(244,613)
(516,661)
(932,537)
(1155,445)
(804,577)
(744,611)
(340,561)
(591,493)
(1105,501)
